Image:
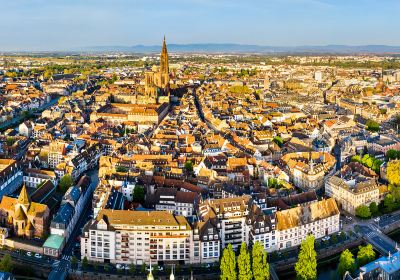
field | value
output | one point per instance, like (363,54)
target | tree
(373,208)
(244,264)
(372,126)
(189,166)
(306,266)
(121,169)
(260,264)
(342,235)
(388,203)
(346,262)
(138,194)
(393,172)
(355,158)
(278,141)
(363,212)
(65,183)
(143,268)
(365,254)
(85,263)
(334,239)
(74,262)
(228,264)
(132,268)
(6,264)
(392,154)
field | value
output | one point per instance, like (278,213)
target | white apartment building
(319,218)
(35,177)
(121,236)
(231,214)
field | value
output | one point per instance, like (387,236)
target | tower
(164,66)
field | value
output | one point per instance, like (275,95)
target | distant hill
(238,48)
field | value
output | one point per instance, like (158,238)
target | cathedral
(157,81)
(25,218)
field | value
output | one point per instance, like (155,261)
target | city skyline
(75,25)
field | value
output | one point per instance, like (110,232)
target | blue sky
(67,24)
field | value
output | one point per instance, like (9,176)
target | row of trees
(246,266)
(347,262)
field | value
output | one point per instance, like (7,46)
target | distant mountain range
(239,48)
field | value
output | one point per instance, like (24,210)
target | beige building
(352,191)
(319,218)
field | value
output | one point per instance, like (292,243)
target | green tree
(346,262)
(373,208)
(365,254)
(393,172)
(85,263)
(260,264)
(228,264)
(143,268)
(356,158)
(132,268)
(372,126)
(392,154)
(74,262)
(138,194)
(388,203)
(6,264)
(363,212)
(306,266)
(65,183)
(334,239)
(121,169)
(278,141)
(244,264)
(189,166)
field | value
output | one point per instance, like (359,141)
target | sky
(47,25)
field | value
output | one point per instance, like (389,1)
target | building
(35,177)
(56,153)
(319,218)
(123,236)
(351,190)
(230,216)
(206,242)
(385,268)
(307,170)
(10,176)
(174,201)
(25,218)
(157,82)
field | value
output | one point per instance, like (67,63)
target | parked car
(377,219)
(119,266)
(326,238)
(29,254)
(38,256)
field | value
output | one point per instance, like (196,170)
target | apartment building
(230,215)
(35,177)
(319,218)
(10,176)
(121,236)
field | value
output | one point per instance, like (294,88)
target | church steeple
(23,198)
(164,65)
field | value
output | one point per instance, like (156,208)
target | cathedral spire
(164,66)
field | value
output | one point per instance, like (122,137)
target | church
(25,218)
(157,82)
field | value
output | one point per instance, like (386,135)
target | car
(160,268)
(326,238)
(119,266)
(38,256)
(349,218)
(29,254)
(377,219)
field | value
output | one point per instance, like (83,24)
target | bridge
(381,242)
